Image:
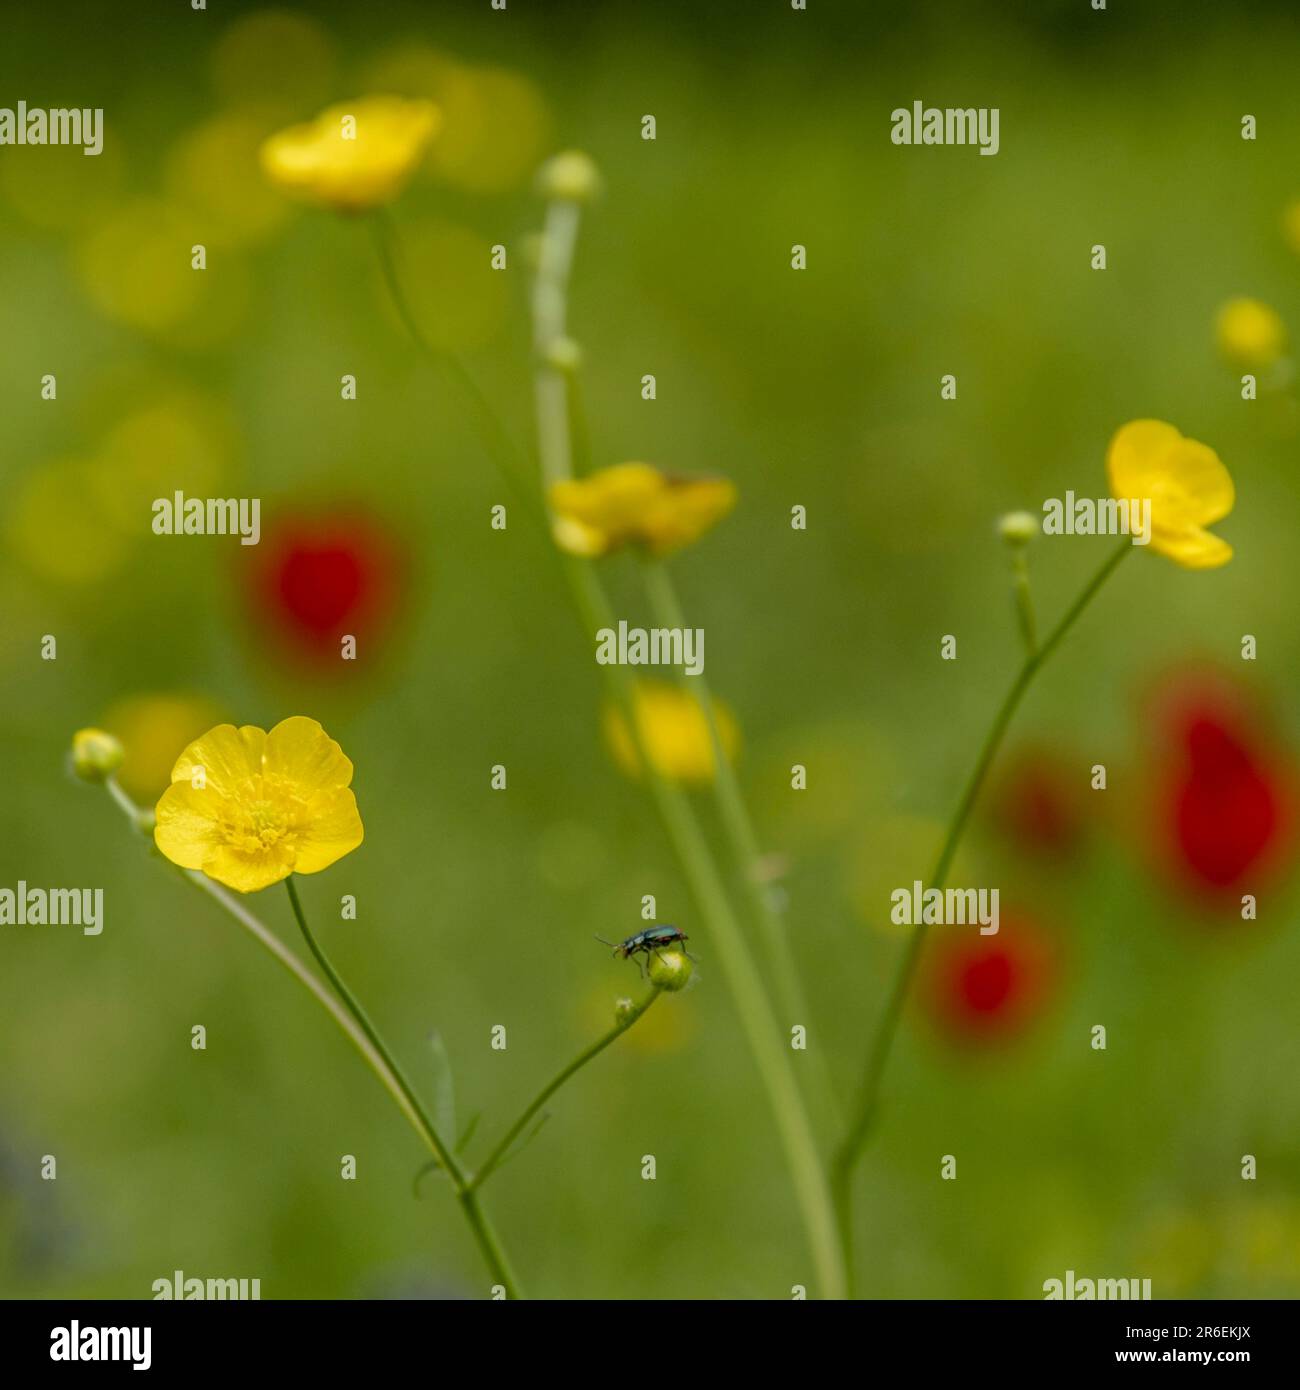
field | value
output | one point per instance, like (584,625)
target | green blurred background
(818,388)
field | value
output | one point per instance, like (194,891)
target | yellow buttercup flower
(1250,333)
(1188,487)
(354,156)
(636,504)
(249,808)
(674,731)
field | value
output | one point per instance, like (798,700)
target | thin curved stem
(763,1033)
(1024,601)
(479,1224)
(865,1111)
(812,1192)
(501,446)
(355,1008)
(498,1154)
(373,1057)
(739,829)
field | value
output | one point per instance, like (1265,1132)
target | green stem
(355,1008)
(498,1154)
(743,978)
(375,1057)
(549,305)
(501,446)
(488,1243)
(740,833)
(887,1027)
(1024,601)
(878,1057)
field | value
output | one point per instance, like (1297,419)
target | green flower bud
(1018,528)
(562,355)
(670,970)
(624,1010)
(569,177)
(95,754)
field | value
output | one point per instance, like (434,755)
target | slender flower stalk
(549,304)
(743,977)
(743,841)
(1024,601)
(555,404)
(866,1108)
(499,1154)
(360,1032)
(502,448)
(462,1187)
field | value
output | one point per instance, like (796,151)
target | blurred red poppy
(988,989)
(317,577)
(1037,806)
(1223,791)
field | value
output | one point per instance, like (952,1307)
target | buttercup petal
(636,503)
(685,510)
(1186,484)
(229,757)
(363,170)
(335,830)
(1206,482)
(1136,456)
(299,752)
(1192,548)
(577,538)
(248,871)
(186,828)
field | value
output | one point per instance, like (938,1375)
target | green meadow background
(820,388)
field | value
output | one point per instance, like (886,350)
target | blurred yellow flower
(354,156)
(1188,486)
(249,808)
(636,504)
(276,60)
(495,126)
(55,525)
(215,171)
(153,728)
(1250,333)
(674,731)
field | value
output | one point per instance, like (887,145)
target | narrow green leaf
(469,1131)
(444,1090)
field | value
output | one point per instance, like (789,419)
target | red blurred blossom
(1224,791)
(1037,806)
(980,990)
(319,575)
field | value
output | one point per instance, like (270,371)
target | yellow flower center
(260,827)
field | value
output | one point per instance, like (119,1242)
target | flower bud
(569,177)
(1018,528)
(562,355)
(624,1012)
(95,754)
(670,970)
